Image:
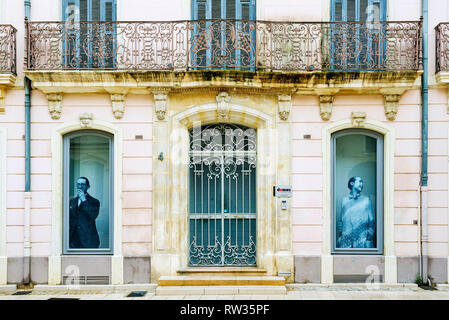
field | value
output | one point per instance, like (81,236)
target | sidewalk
(321,294)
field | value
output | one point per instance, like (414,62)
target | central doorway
(222,195)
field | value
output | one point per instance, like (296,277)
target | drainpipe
(424,141)
(27,207)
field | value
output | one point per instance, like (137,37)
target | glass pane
(355,191)
(89,192)
(351,10)
(230,9)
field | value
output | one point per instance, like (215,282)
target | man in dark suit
(84,210)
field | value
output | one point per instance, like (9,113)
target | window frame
(380,141)
(66,197)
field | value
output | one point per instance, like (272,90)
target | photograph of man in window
(84,210)
(357,218)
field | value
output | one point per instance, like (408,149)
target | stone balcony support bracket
(391,101)
(2,99)
(160,104)
(284,106)
(118,104)
(55,105)
(326,100)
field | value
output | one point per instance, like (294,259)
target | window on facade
(88,193)
(222,196)
(227,38)
(89,34)
(357,192)
(359,44)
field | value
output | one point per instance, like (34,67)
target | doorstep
(221,281)
(353,286)
(219,290)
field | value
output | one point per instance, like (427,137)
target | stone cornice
(261,82)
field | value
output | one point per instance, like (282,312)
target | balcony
(294,53)
(442,53)
(7,55)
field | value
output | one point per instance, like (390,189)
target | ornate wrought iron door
(222,196)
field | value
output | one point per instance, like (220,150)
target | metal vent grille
(71,280)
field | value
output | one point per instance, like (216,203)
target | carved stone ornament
(86,119)
(391,105)
(2,100)
(284,106)
(160,104)
(118,105)
(55,105)
(326,106)
(358,119)
(223,99)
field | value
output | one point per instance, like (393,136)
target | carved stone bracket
(160,104)
(358,119)
(55,105)
(2,99)
(326,100)
(118,105)
(86,119)
(284,106)
(223,99)
(391,100)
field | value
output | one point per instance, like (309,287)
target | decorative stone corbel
(2,99)
(284,106)
(391,100)
(358,119)
(118,105)
(86,119)
(326,100)
(223,99)
(55,105)
(160,104)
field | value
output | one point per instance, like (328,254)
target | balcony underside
(139,82)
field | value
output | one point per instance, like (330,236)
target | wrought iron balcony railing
(7,49)
(224,44)
(442,47)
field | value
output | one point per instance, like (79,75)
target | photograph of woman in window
(84,210)
(357,218)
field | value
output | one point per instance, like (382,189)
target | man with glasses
(84,210)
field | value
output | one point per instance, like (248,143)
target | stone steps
(221,281)
(219,290)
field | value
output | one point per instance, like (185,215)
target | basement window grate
(137,294)
(85,280)
(21,293)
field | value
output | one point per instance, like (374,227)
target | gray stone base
(437,269)
(307,269)
(408,269)
(359,269)
(136,270)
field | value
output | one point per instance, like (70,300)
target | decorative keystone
(223,99)
(391,101)
(86,119)
(160,104)
(358,119)
(55,105)
(284,106)
(118,105)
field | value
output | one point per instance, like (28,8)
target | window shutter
(338,11)
(216,9)
(230,9)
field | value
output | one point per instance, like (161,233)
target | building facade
(141,141)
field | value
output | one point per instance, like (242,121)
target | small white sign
(282,191)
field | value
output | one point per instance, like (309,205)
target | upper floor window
(358,10)
(224,34)
(90,38)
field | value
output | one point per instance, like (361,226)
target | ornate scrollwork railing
(224,44)
(442,47)
(8,49)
